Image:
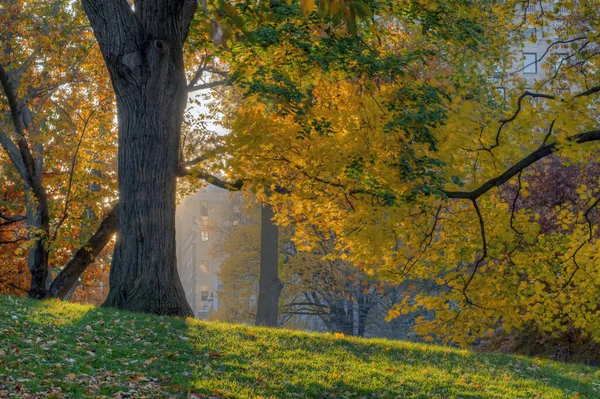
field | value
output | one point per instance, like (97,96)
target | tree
(269,285)
(143,50)
(54,128)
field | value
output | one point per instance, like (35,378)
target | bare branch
(214,180)
(548,134)
(16,240)
(208,85)
(71,173)
(587,216)
(14,286)
(12,219)
(30,174)
(588,92)
(197,160)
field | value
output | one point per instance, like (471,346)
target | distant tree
(269,284)
(335,292)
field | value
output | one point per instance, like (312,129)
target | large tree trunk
(143,50)
(269,285)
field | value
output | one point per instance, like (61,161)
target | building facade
(202,220)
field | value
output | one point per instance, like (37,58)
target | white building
(201,222)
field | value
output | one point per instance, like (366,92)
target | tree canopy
(420,154)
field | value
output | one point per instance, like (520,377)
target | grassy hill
(61,350)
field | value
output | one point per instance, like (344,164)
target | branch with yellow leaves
(533,157)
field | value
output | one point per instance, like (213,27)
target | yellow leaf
(307,5)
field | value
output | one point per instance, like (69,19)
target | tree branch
(530,159)
(26,158)
(72,172)
(12,219)
(212,179)
(208,85)
(503,122)
(483,255)
(588,92)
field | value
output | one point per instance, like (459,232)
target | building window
(204,235)
(530,63)
(204,208)
(237,213)
(204,266)
(529,8)
(204,295)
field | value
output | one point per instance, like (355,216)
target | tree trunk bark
(143,50)
(269,285)
(38,223)
(341,317)
(363,313)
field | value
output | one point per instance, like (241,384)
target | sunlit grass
(55,311)
(55,348)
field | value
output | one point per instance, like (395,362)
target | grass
(62,350)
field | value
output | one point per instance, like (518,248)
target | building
(540,44)
(201,223)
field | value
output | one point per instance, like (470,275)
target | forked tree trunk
(143,50)
(269,285)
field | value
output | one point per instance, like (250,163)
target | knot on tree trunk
(161,46)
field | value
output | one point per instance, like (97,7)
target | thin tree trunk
(342,319)
(72,290)
(84,256)
(37,259)
(143,50)
(269,285)
(363,313)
